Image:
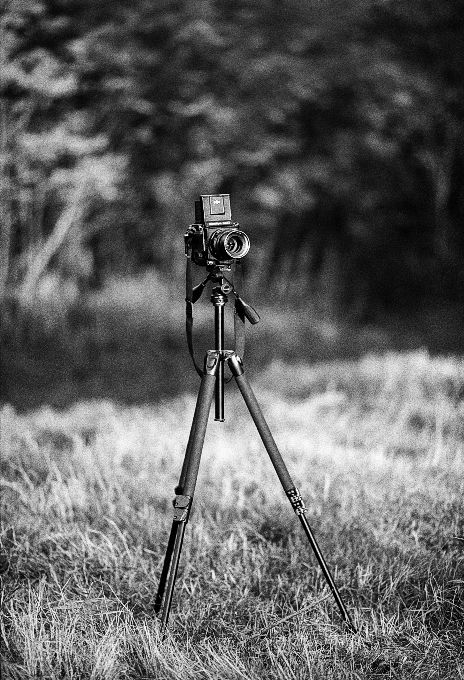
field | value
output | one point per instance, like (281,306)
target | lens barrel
(227,244)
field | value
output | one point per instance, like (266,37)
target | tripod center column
(219,299)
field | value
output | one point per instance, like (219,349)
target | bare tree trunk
(71,215)
(439,165)
(5,206)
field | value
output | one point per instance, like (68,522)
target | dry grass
(377,448)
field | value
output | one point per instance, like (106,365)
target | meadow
(376,447)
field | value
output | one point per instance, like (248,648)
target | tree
(337,129)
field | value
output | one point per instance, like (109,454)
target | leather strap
(239,318)
(189,314)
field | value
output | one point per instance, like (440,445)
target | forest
(337,128)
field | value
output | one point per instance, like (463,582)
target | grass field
(377,449)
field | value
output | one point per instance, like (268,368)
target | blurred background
(337,127)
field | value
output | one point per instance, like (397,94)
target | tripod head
(225,287)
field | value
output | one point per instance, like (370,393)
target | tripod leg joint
(182,505)
(212,361)
(235,363)
(296,501)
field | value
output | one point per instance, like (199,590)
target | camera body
(215,239)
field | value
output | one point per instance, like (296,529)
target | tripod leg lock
(297,501)
(182,505)
(212,361)
(235,363)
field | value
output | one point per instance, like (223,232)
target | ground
(376,447)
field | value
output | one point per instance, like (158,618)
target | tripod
(212,386)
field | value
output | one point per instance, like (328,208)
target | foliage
(337,129)
(376,448)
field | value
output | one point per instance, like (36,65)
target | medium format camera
(214,239)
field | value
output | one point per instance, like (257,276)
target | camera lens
(229,244)
(234,245)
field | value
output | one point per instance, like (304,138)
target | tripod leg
(178,530)
(180,487)
(183,501)
(165,571)
(236,366)
(179,490)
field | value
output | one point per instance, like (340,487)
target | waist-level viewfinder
(215,239)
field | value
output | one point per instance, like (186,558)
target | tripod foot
(182,506)
(300,509)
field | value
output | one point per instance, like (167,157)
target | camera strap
(191,298)
(239,317)
(189,314)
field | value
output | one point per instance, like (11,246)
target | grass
(377,449)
